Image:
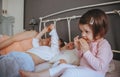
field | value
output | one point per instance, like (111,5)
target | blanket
(11,63)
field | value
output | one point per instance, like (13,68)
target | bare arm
(63,61)
(46,29)
(36,40)
(42,33)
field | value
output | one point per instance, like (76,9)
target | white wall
(15,8)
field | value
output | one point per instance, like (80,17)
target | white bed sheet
(114,73)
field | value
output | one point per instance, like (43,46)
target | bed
(114,68)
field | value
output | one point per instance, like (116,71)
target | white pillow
(111,66)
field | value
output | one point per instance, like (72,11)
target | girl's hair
(97,20)
(62,42)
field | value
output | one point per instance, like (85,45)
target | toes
(21,73)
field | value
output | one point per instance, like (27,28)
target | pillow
(111,66)
(68,55)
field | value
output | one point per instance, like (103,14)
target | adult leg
(24,35)
(3,37)
(11,63)
(44,73)
(18,37)
(53,72)
(59,69)
(6,43)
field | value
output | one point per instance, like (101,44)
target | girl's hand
(76,42)
(45,30)
(62,61)
(50,27)
(84,45)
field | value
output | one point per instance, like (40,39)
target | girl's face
(45,42)
(86,32)
(70,46)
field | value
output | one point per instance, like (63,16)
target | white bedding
(114,69)
(112,73)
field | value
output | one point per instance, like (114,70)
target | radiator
(6,25)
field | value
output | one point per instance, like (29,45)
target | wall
(0,7)
(14,8)
(40,8)
(18,13)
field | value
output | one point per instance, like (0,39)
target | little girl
(94,50)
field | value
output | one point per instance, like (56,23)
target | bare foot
(26,74)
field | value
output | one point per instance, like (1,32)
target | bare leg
(44,73)
(18,37)
(24,35)
(6,43)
